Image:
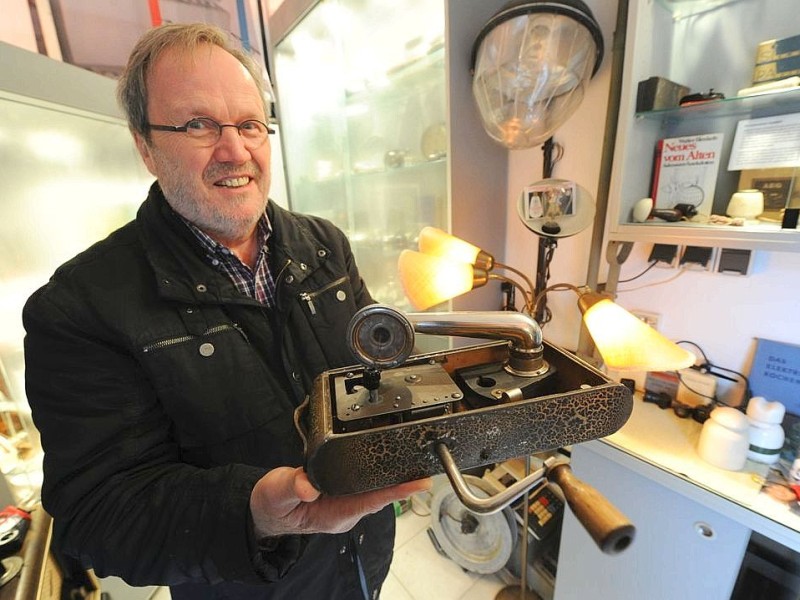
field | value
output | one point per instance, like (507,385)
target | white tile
(485,588)
(409,524)
(393,590)
(426,574)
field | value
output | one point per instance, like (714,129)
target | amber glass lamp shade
(436,242)
(429,280)
(625,342)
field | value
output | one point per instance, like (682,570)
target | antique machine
(399,417)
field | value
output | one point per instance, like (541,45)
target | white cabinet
(683,548)
(702,45)
(380,131)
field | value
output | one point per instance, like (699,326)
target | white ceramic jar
(746,204)
(766,432)
(724,439)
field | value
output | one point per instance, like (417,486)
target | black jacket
(162,394)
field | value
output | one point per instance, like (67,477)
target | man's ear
(144,152)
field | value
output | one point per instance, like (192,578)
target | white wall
(721,313)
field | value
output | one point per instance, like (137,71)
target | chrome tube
(526,352)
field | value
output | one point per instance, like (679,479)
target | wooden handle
(609,528)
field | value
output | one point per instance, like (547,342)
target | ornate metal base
(358,439)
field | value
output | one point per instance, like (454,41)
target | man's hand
(284,502)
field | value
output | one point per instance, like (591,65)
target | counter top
(660,439)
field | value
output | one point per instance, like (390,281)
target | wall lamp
(447,266)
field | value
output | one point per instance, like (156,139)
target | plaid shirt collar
(256,283)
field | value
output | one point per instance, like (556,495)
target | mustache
(220,170)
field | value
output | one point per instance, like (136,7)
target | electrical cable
(641,287)
(652,264)
(711,369)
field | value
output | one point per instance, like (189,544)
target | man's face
(223,188)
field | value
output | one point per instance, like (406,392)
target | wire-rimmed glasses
(207,131)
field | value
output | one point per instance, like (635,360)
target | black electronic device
(545,512)
(701,98)
(677,213)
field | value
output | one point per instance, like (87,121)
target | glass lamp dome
(531,63)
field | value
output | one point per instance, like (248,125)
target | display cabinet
(380,133)
(703,45)
(70,175)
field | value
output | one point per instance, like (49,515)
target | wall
(721,313)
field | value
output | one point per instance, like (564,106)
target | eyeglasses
(207,131)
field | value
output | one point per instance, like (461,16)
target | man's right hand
(284,502)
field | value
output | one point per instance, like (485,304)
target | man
(163,364)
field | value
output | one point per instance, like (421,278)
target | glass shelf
(397,77)
(784,101)
(681,9)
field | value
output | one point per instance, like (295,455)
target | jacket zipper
(308,297)
(187,338)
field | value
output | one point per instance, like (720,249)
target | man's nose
(231,146)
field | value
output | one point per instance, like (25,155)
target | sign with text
(776,373)
(766,143)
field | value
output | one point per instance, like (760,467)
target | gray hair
(132,84)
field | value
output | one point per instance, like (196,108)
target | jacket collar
(178,260)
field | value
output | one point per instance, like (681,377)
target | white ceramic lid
(760,409)
(730,418)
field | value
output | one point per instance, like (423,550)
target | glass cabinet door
(362,106)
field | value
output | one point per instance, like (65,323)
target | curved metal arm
(526,352)
(607,526)
(492,504)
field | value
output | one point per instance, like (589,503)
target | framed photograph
(550,201)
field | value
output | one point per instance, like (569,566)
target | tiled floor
(419,572)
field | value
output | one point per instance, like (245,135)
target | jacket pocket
(328,310)
(213,386)
(323,303)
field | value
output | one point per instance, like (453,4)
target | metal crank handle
(608,527)
(492,504)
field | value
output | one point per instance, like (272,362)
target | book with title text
(685,171)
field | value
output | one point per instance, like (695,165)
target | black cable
(708,367)
(652,264)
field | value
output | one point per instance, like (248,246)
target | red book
(685,171)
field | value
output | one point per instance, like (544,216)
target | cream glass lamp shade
(628,344)
(436,242)
(430,280)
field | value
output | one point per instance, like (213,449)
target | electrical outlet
(697,258)
(650,318)
(664,255)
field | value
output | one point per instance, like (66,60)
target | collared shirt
(256,283)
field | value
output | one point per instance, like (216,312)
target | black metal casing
(573,403)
